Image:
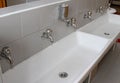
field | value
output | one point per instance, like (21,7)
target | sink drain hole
(106,33)
(63,74)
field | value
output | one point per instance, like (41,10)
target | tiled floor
(109,70)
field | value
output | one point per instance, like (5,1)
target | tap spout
(6,53)
(51,38)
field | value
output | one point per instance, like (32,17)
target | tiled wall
(30,0)
(22,32)
(16,2)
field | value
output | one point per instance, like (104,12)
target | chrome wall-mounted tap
(48,35)
(88,15)
(100,10)
(6,53)
(71,22)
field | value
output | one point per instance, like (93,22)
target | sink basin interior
(90,42)
(72,54)
(107,26)
(82,52)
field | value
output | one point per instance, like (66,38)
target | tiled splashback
(16,2)
(22,32)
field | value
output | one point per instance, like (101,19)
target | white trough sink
(107,26)
(75,54)
(80,54)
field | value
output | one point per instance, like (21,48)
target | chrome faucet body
(48,35)
(100,10)
(88,15)
(71,22)
(6,53)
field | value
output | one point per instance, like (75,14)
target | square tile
(10,28)
(30,21)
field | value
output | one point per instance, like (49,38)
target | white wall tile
(37,19)
(73,7)
(48,15)
(30,0)
(31,45)
(10,29)
(30,21)
(14,2)
(60,30)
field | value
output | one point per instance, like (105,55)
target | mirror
(7,3)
